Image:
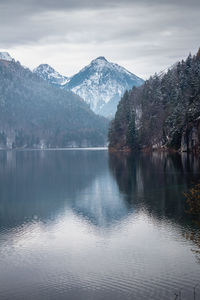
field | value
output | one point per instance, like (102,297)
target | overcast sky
(145,36)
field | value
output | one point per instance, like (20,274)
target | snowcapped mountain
(5,56)
(47,73)
(101,84)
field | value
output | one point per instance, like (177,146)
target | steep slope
(33,113)
(47,73)
(101,84)
(162,113)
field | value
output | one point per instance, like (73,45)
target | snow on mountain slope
(101,84)
(49,74)
(5,56)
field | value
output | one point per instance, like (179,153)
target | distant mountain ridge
(101,84)
(35,114)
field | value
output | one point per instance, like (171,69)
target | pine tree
(167,104)
(132,134)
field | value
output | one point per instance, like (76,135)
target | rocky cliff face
(190,140)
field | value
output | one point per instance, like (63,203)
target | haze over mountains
(101,84)
(35,114)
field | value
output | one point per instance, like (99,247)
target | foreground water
(85,225)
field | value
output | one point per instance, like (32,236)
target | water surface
(86,225)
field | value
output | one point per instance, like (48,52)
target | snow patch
(101,82)
(5,56)
(46,72)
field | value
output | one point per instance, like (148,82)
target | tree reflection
(155,180)
(193,203)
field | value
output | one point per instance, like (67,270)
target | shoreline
(55,149)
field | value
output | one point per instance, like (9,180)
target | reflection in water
(86,225)
(41,184)
(155,180)
(193,208)
(38,184)
(193,235)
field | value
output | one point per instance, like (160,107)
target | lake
(83,224)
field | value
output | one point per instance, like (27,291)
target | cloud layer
(143,36)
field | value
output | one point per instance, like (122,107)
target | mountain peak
(101,84)
(101,58)
(5,56)
(48,73)
(44,67)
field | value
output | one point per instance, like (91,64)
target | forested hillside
(163,113)
(35,114)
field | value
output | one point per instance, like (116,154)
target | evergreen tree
(132,134)
(167,104)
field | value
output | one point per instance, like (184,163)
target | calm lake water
(80,224)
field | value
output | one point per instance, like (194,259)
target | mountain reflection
(41,185)
(82,224)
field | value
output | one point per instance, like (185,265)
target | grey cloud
(92,25)
(150,33)
(87,4)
